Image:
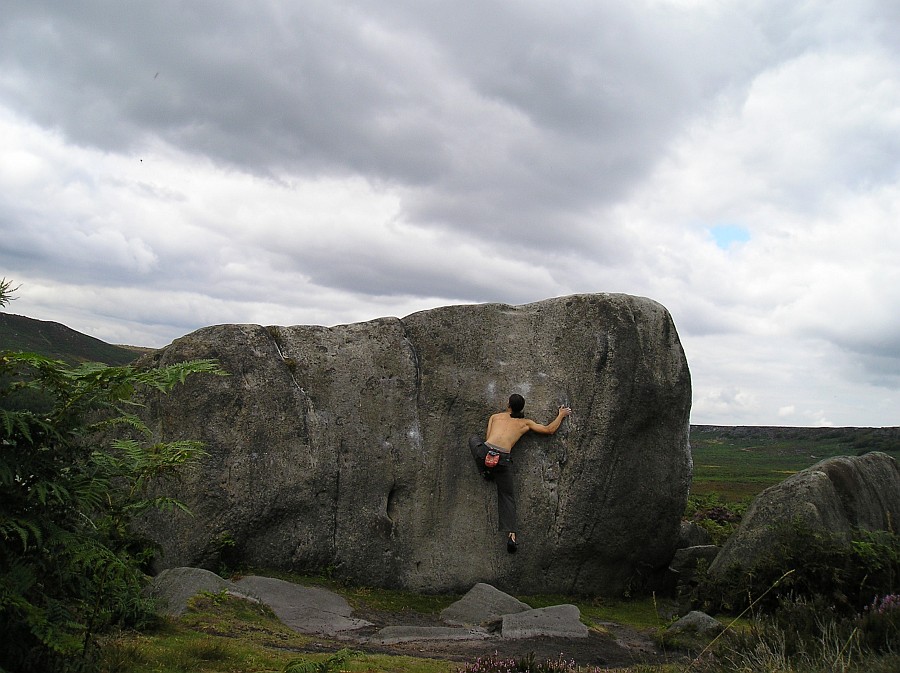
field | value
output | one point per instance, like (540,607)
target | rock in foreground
(834,496)
(482,605)
(345,447)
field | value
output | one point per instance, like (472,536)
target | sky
(170,165)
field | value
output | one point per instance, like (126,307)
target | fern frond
(161,503)
(67,502)
(16,423)
(48,491)
(166,378)
(26,530)
(330,664)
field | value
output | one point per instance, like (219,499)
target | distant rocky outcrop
(345,447)
(836,495)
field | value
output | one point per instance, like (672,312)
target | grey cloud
(878,370)
(603,88)
(875,356)
(264,91)
(398,268)
(356,88)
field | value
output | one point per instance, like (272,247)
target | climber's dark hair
(516,404)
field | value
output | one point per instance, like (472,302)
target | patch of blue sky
(728,235)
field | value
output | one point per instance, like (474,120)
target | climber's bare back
(503,431)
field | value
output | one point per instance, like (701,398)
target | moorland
(793,633)
(732,465)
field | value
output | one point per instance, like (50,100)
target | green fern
(330,664)
(70,565)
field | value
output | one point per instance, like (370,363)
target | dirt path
(610,645)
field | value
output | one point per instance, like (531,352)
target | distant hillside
(737,462)
(57,341)
(850,440)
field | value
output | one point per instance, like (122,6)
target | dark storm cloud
(263,89)
(553,106)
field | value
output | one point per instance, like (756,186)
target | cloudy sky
(168,165)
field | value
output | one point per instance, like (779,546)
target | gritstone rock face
(345,447)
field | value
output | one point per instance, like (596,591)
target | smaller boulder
(561,621)
(693,534)
(173,588)
(697,623)
(834,496)
(482,605)
(304,609)
(684,563)
(693,632)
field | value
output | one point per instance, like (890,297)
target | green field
(737,463)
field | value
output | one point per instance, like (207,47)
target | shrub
(880,624)
(798,639)
(766,647)
(840,575)
(70,565)
(718,518)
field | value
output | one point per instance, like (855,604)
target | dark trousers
(502,476)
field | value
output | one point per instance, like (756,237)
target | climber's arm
(552,426)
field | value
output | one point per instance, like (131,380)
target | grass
(223,634)
(737,467)
(388,600)
(220,633)
(641,613)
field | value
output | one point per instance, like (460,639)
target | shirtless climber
(503,431)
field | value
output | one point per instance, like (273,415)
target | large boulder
(345,447)
(835,496)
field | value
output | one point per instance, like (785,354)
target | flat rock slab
(390,635)
(562,621)
(304,609)
(481,605)
(315,610)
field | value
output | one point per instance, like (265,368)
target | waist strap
(497,448)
